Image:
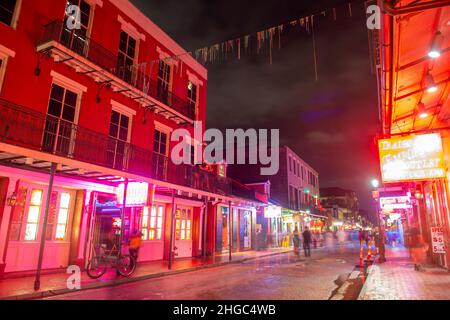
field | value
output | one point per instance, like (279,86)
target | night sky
(331,122)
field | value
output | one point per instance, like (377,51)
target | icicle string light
(233,48)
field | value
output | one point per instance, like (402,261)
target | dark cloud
(330,122)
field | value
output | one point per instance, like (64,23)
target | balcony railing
(27,128)
(135,76)
(241,190)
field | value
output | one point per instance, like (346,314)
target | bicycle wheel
(96,268)
(127,265)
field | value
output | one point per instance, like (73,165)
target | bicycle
(125,265)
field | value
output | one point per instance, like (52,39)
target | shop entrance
(107,231)
(225,230)
(246,229)
(106,223)
(183,234)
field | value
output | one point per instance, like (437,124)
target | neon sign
(137,193)
(116,223)
(390,203)
(415,157)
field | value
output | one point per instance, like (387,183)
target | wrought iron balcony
(135,76)
(24,127)
(242,191)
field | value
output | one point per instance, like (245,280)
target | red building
(96,105)
(412,60)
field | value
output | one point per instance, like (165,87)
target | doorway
(225,230)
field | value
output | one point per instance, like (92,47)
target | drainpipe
(37,281)
(172,225)
(205,227)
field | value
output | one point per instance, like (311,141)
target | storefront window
(183,224)
(152,224)
(144,224)
(33,215)
(51,216)
(247,229)
(58,215)
(63,217)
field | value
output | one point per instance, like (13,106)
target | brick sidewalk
(51,284)
(396,279)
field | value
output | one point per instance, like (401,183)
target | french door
(126,57)
(59,127)
(76,38)
(160,160)
(164,82)
(117,149)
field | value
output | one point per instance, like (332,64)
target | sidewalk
(396,279)
(53,284)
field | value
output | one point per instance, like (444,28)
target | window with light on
(152,221)
(183,219)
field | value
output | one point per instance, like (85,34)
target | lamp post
(382,257)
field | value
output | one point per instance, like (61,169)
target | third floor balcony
(89,57)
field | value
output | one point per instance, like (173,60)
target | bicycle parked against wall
(97,266)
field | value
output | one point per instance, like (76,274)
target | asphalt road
(278,277)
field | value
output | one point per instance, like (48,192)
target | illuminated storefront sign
(437,236)
(288,218)
(415,157)
(391,203)
(272,212)
(137,193)
(116,222)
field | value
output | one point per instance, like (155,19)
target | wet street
(282,276)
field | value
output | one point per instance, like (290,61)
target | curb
(51,293)
(370,271)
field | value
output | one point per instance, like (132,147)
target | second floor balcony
(24,127)
(89,57)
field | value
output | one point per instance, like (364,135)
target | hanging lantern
(12,200)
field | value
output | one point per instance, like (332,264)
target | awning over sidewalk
(414,50)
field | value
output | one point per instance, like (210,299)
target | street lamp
(382,258)
(375,183)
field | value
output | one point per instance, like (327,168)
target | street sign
(437,236)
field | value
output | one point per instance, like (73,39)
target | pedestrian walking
(307,242)
(314,239)
(296,241)
(361,236)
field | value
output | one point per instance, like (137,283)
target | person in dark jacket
(307,242)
